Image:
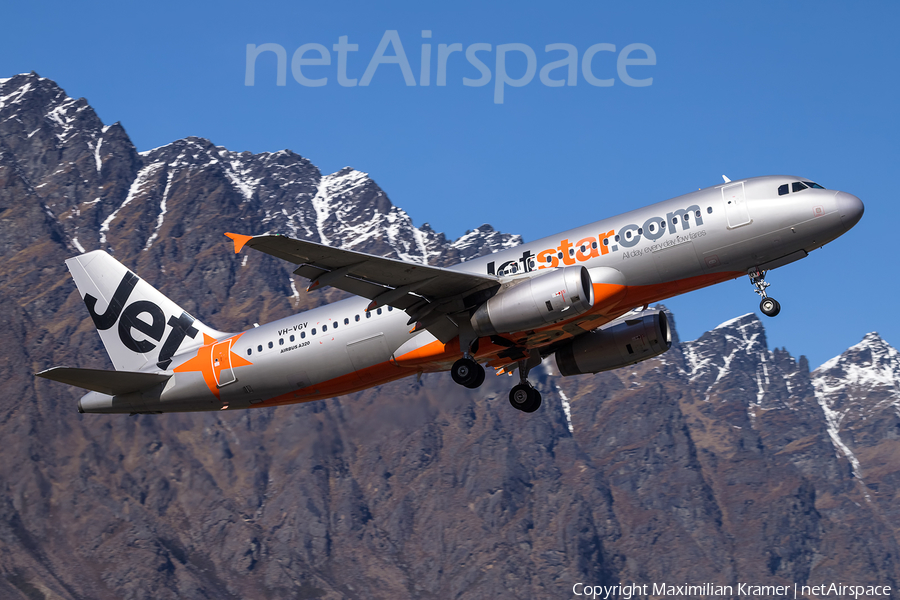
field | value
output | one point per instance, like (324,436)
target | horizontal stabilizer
(112,383)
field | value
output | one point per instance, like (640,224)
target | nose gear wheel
(768,306)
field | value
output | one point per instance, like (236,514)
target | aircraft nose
(850,208)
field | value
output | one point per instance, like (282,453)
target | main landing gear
(769,306)
(522,397)
(467,372)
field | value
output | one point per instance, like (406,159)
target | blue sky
(805,88)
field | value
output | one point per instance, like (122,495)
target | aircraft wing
(428,294)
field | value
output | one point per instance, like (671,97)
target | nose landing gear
(768,306)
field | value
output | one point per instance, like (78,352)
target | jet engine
(535,302)
(623,342)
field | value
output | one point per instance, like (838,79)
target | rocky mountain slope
(720,461)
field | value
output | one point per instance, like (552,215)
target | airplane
(582,295)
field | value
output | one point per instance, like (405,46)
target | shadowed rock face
(720,461)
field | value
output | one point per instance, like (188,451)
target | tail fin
(139,326)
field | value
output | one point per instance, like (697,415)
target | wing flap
(112,383)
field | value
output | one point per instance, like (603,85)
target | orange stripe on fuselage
(356,381)
(610,302)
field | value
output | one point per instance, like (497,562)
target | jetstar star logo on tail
(215,361)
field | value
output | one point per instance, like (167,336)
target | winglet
(239,240)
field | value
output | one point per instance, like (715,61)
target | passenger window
(662,224)
(559,255)
(782,189)
(685,216)
(249,351)
(335,325)
(259,348)
(357,318)
(605,243)
(674,220)
(346,321)
(271,345)
(302,334)
(390,308)
(697,213)
(617,238)
(292,338)
(379,311)
(281,341)
(797,186)
(709,210)
(314,331)
(324,328)
(549,259)
(640,231)
(594,245)
(369,315)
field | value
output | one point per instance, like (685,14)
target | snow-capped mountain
(719,461)
(859,393)
(90,177)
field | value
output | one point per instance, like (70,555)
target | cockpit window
(782,189)
(815,186)
(797,186)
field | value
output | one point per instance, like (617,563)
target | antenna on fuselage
(726,179)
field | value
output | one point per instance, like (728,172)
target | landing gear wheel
(467,372)
(769,306)
(525,398)
(479,379)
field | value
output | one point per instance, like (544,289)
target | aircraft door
(221,363)
(736,212)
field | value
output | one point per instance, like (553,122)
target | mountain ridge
(714,462)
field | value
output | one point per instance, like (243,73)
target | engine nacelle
(535,302)
(618,344)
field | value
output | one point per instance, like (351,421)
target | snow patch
(162,212)
(135,188)
(15,96)
(97,155)
(564,400)
(78,246)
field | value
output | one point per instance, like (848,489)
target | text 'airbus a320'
(581,295)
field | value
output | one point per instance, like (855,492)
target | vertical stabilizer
(140,328)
